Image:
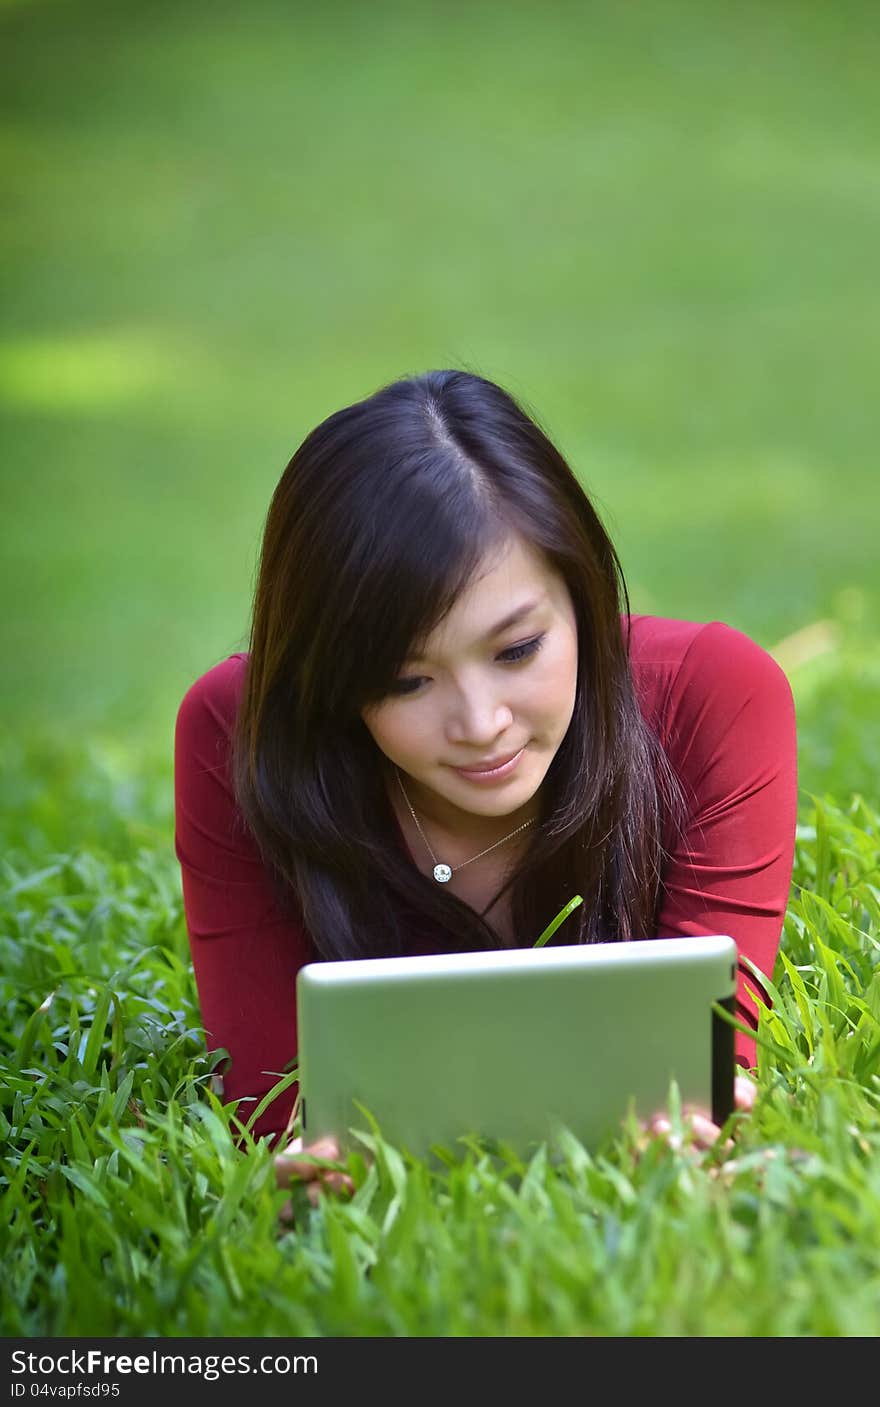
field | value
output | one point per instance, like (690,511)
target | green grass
(129,1208)
(657,226)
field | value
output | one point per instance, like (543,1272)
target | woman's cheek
(413,733)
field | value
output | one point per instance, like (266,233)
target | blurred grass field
(657,226)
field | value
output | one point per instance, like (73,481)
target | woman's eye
(519,652)
(510,656)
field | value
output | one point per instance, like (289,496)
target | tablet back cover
(509,1044)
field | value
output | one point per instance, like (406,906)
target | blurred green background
(656,224)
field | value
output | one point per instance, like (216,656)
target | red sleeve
(245,952)
(731,736)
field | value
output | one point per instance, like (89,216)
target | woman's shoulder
(685,667)
(213,698)
(205,808)
(665,644)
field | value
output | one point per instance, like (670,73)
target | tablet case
(510,1044)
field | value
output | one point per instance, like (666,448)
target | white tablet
(510,1044)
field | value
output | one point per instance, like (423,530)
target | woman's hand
(291,1165)
(703,1132)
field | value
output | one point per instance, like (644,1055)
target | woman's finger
(745,1092)
(661,1127)
(338,1182)
(287,1166)
(697,1127)
(703,1130)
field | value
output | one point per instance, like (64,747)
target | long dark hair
(379,521)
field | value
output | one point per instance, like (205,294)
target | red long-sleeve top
(724,713)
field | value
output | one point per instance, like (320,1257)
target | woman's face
(481,695)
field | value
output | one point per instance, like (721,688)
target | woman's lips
(497,774)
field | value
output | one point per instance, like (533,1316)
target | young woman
(446,726)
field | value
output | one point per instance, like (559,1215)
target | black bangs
(404,586)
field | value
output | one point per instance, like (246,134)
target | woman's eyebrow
(517,615)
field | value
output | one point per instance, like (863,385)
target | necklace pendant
(442,874)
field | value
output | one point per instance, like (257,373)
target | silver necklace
(443,873)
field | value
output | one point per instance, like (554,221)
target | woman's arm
(245,952)
(730,732)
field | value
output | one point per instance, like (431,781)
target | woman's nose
(478,719)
